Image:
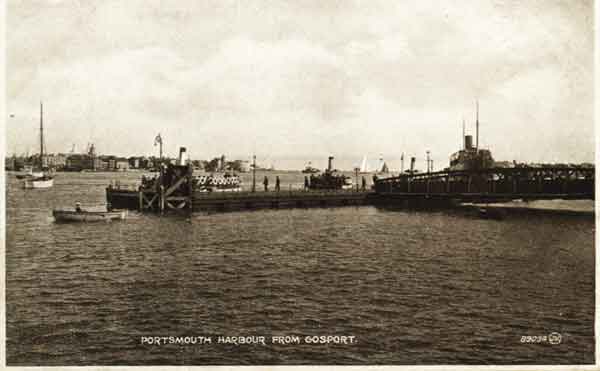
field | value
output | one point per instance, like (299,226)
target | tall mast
(41,135)
(464,140)
(477,127)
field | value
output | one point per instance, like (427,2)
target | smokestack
(182,153)
(468,142)
(463,136)
(330,163)
(412,164)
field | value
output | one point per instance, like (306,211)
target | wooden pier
(172,191)
(492,184)
(229,201)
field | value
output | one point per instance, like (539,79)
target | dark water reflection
(413,287)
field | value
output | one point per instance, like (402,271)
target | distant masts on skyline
(158,140)
(464,131)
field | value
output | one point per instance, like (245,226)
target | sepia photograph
(310,182)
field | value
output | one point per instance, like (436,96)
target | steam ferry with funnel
(471,157)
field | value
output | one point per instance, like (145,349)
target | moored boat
(35,179)
(29,173)
(88,216)
(38,182)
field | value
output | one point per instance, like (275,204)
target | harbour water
(412,287)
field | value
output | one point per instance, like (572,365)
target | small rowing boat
(38,182)
(88,216)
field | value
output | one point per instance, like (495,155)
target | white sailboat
(364,167)
(35,180)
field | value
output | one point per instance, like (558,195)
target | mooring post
(162,199)
(141,200)
(190,187)
(161,189)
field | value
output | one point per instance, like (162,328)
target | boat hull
(88,216)
(34,183)
(31,174)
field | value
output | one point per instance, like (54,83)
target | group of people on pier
(277,183)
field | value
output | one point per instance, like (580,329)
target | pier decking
(229,201)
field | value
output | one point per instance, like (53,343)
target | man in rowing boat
(78,207)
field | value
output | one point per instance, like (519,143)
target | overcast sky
(303,79)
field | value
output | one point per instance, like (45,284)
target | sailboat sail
(364,167)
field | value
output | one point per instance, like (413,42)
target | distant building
(111,161)
(57,161)
(504,164)
(10,163)
(121,164)
(78,162)
(245,166)
(100,165)
(134,162)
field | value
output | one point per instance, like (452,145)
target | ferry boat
(471,157)
(330,179)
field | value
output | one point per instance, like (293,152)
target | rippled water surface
(413,287)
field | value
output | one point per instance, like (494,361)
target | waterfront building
(10,163)
(78,162)
(245,166)
(121,164)
(134,162)
(57,161)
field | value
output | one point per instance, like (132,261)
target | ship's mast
(464,139)
(477,127)
(41,135)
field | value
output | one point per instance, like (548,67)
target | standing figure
(306,184)
(266,183)
(364,184)
(277,183)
